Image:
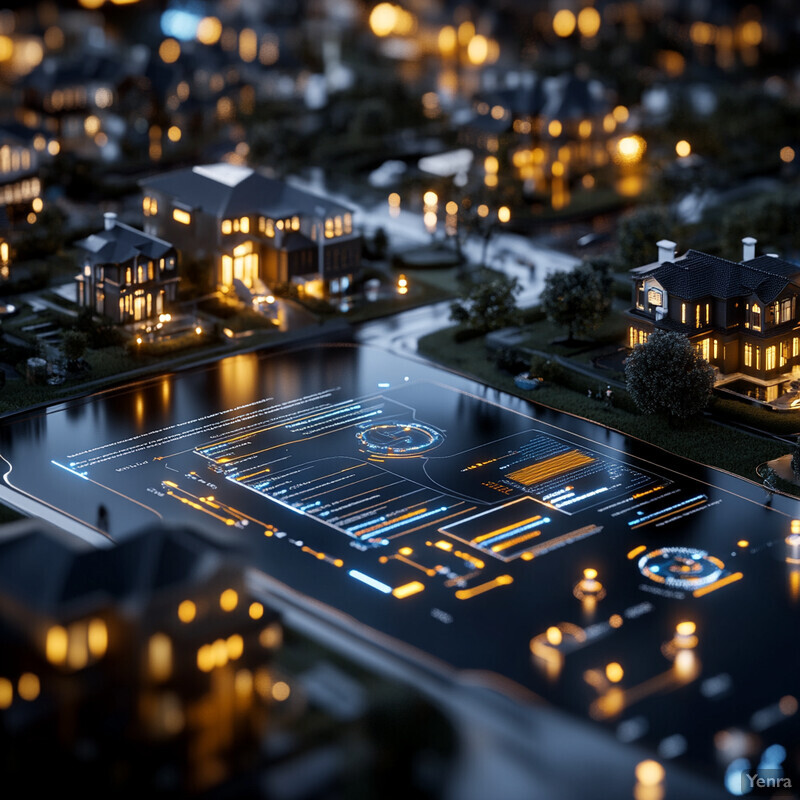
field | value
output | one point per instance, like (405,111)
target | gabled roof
(122,243)
(696,275)
(45,571)
(225,191)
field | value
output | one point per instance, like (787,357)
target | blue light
(384,385)
(375,584)
(180,23)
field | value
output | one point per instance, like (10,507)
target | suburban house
(744,317)
(255,230)
(127,275)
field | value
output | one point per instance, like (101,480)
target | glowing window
(716,351)
(244,224)
(769,358)
(269,228)
(748,355)
(227,227)
(295,223)
(179,215)
(348,223)
(683,313)
(795,346)
(755,317)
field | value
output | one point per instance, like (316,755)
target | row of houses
(249,230)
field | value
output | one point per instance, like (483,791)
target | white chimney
(666,250)
(748,248)
(109,220)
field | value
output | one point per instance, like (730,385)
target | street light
(402,285)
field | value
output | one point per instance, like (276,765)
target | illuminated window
(161,265)
(769,358)
(337,226)
(748,355)
(755,317)
(758,358)
(786,310)
(140,273)
(708,313)
(150,273)
(348,223)
(227,227)
(795,347)
(716,343)
(704,348)
(149,206)
(179,215)
(329,228)
(269,228)
(295,223)
(244,224)
(697,316)
(128,276)
(631,337)
(783,355)
(683,313)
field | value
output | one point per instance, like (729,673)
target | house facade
(743,317)
(255,230)
(127,275)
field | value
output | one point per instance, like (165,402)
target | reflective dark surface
(466,523)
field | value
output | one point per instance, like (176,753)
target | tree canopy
(486,305)
(638,234)
(578,300)
(666,375)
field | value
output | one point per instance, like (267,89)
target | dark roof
(122,243)
(224,190)
(573,100)
(46,571)
(696,275)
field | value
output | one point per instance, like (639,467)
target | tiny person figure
(102,517)
(589,392)
(609,397)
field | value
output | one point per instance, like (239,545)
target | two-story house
(127,275)
(254,229)
(743,317)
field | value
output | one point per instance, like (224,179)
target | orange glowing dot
(787,154)
(683,148)
(405,551)
(590,574)
(685,628)
(228,600)
(614,672)
(281,691)
(615,621)
(187,611)
(649,773)
(169,50)
(743,543)
(553,635)
(256,611)
(564,23)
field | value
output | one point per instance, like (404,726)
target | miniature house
(743,317)
(127,275)
(254,229)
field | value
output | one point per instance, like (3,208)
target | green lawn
(700,440)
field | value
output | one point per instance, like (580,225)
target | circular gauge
(399,439)
(681,567)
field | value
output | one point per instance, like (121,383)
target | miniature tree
(578,300)
(487,305)
(639,233)
(666,375)
(796,459)
(73,345)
